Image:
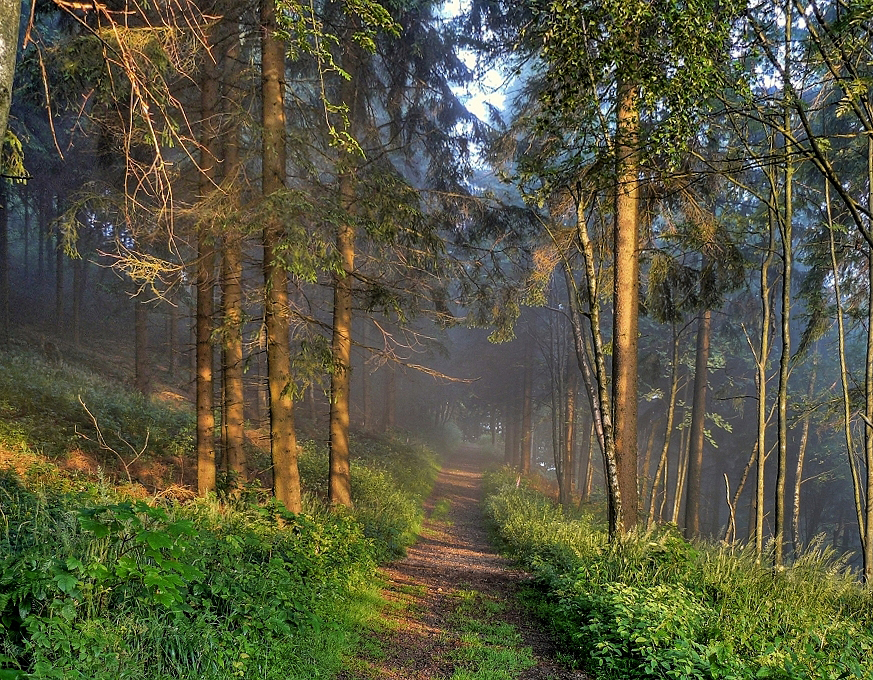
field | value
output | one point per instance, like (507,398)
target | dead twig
(101,442)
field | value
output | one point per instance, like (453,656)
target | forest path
(453,596)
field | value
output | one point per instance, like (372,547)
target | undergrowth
(654,605)
(100,585)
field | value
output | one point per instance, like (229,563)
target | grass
(101,581)
(489,649)
(655,606)
(441,510)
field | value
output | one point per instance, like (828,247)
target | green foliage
(656,606)
(390,480)
(97,586)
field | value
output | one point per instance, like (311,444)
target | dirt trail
(452,555)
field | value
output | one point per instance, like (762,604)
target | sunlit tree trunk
(626,303)
(205,283)
(339,487)
(596,384)
(283,438)
(232,271)
(698,425)
(339,483)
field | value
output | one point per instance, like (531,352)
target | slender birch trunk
(668,429)
(801,455)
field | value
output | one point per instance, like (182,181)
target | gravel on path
(453,554)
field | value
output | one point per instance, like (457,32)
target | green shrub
(656,606)
(95,585)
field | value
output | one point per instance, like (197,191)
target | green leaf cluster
(653,605)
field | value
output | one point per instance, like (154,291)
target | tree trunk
(568,449)
(339,483)
(206,466)
(366,389)
(668,430)
(283,438)
(143,378)
(785,355)
(647,458)
(59,280)
(866,525)
(233,359)
(232,276)
(25,232)
(10,12)
(173,338)
(526,414)
(596,384)
(4,259)
(784,371)
(390,409)
(698,425)
(78,265)
(761,385)
(801,454)
(43,234)
(626,303)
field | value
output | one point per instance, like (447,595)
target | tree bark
(801,455)
(761,385)
(283,438)
(668,430)
(526,413)
(143,378)
(78,294)
(4,260)
(389,415)
(698,425)
(59,280)
(10,13)
(339,483)
(232,277)
(233,358)
(626,303)
(866,525)
(568,449)
(205,283)
(784,372)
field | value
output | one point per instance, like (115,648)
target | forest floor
(454,611)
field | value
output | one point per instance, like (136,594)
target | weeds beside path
(454,613)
